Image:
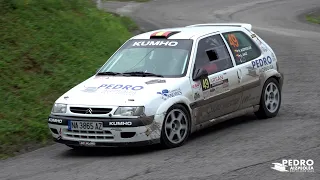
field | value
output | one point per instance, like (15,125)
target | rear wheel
(176,127)
(270,101)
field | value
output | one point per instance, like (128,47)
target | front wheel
(176,127)
(270,100)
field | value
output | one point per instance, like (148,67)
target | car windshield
(160,57)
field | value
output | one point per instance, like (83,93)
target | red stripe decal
(154,34)
(166,34)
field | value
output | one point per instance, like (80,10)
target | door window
(242,47)
(212,55)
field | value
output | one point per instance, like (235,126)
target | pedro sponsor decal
(114,87)
(261,62)
(121,86)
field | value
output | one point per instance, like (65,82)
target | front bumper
(141,132)
(110,144)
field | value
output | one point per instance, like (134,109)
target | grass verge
(47,47)
(314,17)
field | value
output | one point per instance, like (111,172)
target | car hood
(119,90)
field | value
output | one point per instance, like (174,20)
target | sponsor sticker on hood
(166,94)
(125,89)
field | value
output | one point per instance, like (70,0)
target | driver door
(219,93)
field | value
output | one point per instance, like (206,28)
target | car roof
(195,31)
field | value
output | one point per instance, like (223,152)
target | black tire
(264,111)
(164,140)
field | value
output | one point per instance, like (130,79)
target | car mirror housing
(202,73)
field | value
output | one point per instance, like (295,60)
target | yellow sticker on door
(205,84)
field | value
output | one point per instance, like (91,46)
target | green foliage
(46,48)
(313,19)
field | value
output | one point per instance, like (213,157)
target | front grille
(89,134)
(86,110)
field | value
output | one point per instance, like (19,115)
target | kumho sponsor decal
(128,123)
(155,43)
(53,120)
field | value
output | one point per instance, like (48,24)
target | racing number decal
(205,84)
(233,40)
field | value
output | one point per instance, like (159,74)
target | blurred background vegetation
(313,18)
(46,48)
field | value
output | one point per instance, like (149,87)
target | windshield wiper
(141,73)
(109,73)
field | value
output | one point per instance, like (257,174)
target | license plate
(86,143)
(85,126)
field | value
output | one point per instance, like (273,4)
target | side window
(212,55)
(242,47)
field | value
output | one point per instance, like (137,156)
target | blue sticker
(69,125)
(164,92)
(169,94)
(261,62)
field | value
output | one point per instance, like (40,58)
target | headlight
(129,111)
(59,108)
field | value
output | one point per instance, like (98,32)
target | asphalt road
(242,148)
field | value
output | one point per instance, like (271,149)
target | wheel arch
(262,112)
(181,100)
(272,73)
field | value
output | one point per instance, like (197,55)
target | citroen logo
(89,111)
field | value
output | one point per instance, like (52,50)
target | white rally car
(161,86)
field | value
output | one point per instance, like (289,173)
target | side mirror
(202,73)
